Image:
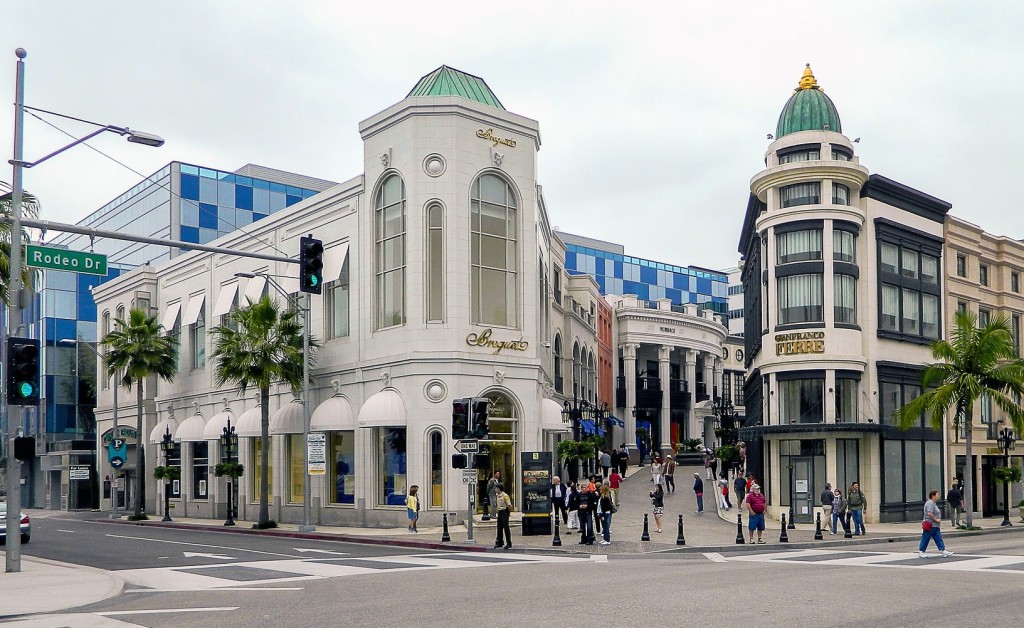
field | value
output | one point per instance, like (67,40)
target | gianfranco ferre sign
(483,339)
(800,342)
(491,137)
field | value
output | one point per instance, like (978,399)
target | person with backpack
(856,502)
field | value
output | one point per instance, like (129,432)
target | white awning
(249,423)
(551,416)
(334,261)
(194,309)
(171,315)
(384,409)
(333,415)
(191,431)
(217,424)
(156,437)
(225,299)
(254,289)
(290,419)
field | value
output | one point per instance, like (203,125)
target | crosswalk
(289,573)
(988,563)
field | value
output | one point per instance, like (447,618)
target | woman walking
(412,507)
(604,507)
(930,526)
(656,471)
(658,500)
(838,510)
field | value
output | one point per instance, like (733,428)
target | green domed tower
(808,109)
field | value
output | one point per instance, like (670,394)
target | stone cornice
(848,173)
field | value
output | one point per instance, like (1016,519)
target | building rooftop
(808,109)
(446,81)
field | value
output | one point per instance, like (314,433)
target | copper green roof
(808,109)
(446,81)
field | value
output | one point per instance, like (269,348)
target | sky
(654,117)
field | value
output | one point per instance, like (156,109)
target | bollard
(487,509)
(444,528)
(817,529)
(846,526)
(680,539)
(557,541)
(783,538)
(739,530)
(646,536)
(792,526)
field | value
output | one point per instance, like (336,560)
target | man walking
(606,463)
(588,504)
(698,490)
(558,499)
(614,481)
(826,502)
(856,502)
(955,501)
(669,469)
(739,487)
(755,505)
(504,508)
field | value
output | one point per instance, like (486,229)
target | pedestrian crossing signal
(311,265)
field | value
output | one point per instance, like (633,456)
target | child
(412,506)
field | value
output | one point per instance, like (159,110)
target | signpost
(78,472)
(467,446)
(316,453)
(63,259)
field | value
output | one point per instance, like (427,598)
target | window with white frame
(338,304)
(493,252)
(435,262)
(197,337)
(389,233)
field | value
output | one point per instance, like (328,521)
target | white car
(26,525)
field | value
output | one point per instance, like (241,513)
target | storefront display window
(343,480)
(296,467)
(391,466)
(257,465)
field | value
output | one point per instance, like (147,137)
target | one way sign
(467,446)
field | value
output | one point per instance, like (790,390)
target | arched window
(494,252)
(435,262)
(584,376)
(593,380)
(575,369)
(389,233)
(558,364)
(436,497)
(104,330)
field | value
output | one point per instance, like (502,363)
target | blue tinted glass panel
(189,186)
(276,201)
(187,169)
(207,216)
(260,184)
(243,197)
(207,235)
(290,200)
(308,193)
(208,190)
(261,201)
(256,216)
(240,180)
(86,307)
(570,260)
(63,328)
(61,280)
(226,219)
(190,234)
(226,194)
(87,330)
(648,275)
(242,218)
(680,282)
(278,187)
(189,213)
(600,285)
(618,269)
(704,285)
(206,173)
(675,295)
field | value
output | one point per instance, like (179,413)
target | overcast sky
(653,116)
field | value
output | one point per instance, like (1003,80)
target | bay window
(799,246)
(844,246)
(845,298)
(801,194)
(840,194)
(801,298)
(909,291)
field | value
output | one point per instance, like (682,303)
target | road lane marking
(159,611)
(320,551)
(223,547)
(71,531)
(201,554)
(715,557)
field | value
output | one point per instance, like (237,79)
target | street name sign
(467,446)
(63,259)
(316,453)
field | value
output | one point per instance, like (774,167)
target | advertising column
(536,492)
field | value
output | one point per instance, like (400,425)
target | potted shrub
(570,453)
(233,470)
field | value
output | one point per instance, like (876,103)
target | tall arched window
(437,469)
(104,330)
(575,369)
(494,252)
(390,252)
(435,262)
(584,376)
(593,380)
(558,364)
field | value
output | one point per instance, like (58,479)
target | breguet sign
(800,342)
(491,137)
(483,339)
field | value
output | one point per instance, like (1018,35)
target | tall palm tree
(257,346)
(973,364)
(137,350)
(29,209)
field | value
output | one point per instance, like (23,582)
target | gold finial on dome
(807,81)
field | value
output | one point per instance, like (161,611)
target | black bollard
(817,528)
(846,526)
(445,537)
(792,526)
(557,541)
(680,539)
(783,538)
(646,536)
(739,530)
(487,509)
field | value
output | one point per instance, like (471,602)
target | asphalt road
(261,581)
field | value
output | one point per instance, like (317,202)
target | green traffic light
(25,389)
(314,280)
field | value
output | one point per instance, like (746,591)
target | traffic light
(459,461)
(24,448)
(311,265)
(478,426)
(22,372)
(460,419)
(482,461)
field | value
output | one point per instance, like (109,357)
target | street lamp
(306,525)
(1007,440)
(726,417)
(228,453)
(168,444)
(13,554)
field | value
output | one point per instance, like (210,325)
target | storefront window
(847,462)
(802,400)
(436,470)
(391,466)
(254,478)
(174,460)
(296,467)
(343,480)
(893,454)
(200,469)
(846,399)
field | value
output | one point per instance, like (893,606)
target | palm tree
(29,209)
(976,363)
(257,346)
(137,350)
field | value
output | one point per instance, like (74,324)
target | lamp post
(306,525)
(575,413)
(726,416)
(13,553)
(228,449)
(168,445)
(1007,440)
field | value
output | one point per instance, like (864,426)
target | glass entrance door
(803,489)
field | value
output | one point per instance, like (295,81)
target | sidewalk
(46,586)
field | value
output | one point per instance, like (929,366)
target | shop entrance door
(803,489)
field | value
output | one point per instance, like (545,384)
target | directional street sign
(63,259)
(468,476)
(467,446)
(117,452)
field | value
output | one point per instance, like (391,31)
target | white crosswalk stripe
(242,574)
(988,563)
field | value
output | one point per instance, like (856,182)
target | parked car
(26,525)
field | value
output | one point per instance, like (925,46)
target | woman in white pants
(656,472)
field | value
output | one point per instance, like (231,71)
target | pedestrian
(605,506)
(955,501)
(707,464)
(856,502)
(572,504)
(755,505)
(826,502)
(930,526)
(669,470)
(504,509)
(739,487)
(606,462)
(595,488)
(588,504)
(614,482)
(838,508)
(558,499)
(714,467)
(412,506)
(751,481)
(658,500)
(656,471)
(492,493)
(623,461)
(726,504)
(698,491)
